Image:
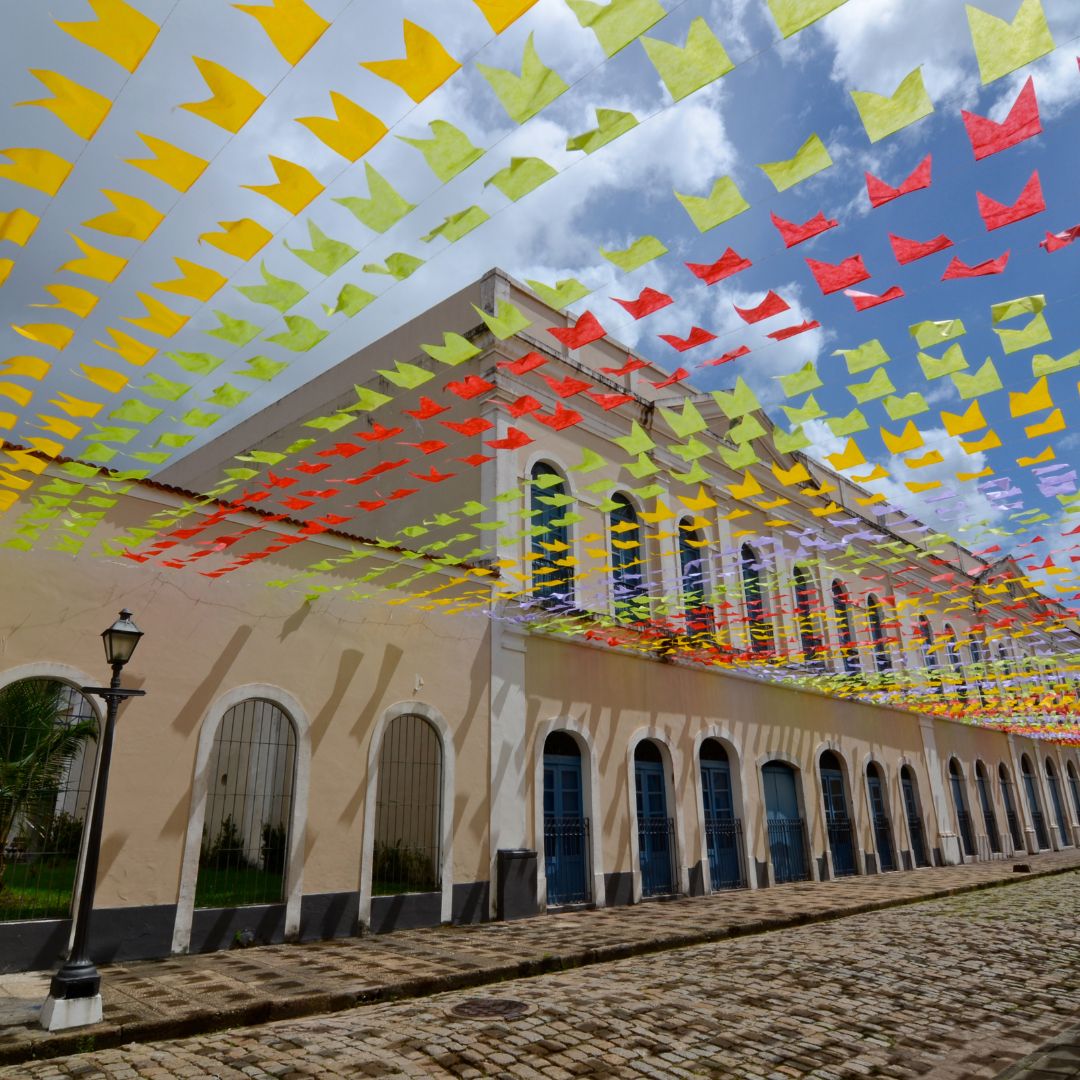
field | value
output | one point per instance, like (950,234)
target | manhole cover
(490,1008)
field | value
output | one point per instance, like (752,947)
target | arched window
(837,818)
(807,607)
(245,840)
(699,615)
(913,811)
(929,656)
(1056,802)
(982,783)
(551,539)
(879,811)
(758,625)
(408,809)
(842,608)
(960,804)
(1028,774)
(876,619)
(48,733)
(952,646)
(627,559)
(1074,788)
(1005,783)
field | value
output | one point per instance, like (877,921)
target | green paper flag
(351,300)
(367,400)
(809,410)
(399,266)
(738,402)
(227,396)
(524,96)
(136,412)
(927,334)
(331,423)
(163,389)
(684,70)
(749,427)
(1002,46)
(448,152)
(326,256)
(565,292)
(688,422)
(883,115)
(458,225)
(799,382)
(900,408)
(200,419)
(302,334)
(809,160)
(262,368)
(848,425)
(691,450)
(234,331)
(521,176)
(637,442)
(786,443)
(697,475)
(878,385)
(611,123)
(742,458)
(506,322)
(722,204)
(792,15)
(453,351)
(868,355)
(406,376)
(640,252)
(590,462)
(277,292)
(172,439)
(384,208)
(644,466)
(985,381)
(949,363)
(195,362)
(617,23)
(1022,305)
(1036,332)
(1047,365)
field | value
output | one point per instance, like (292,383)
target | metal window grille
(1074,787)
(699,615)
(408,809)
(656,847)
(1040,829)
(918,840)
(841,844)
(757,620)
(964,820)
(568,854)
(628,566)
(725,845)
(789,850)
(245,838)
(46,781)
(848,649)
(551,582)
(883,838)
(1059,807)
(989,817)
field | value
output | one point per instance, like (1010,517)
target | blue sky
(778,94)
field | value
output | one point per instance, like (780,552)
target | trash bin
(515,884)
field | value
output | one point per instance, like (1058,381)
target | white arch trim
(590,801)
(294,867)
(446,840)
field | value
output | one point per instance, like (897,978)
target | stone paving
(1057,1060)
(185,995)
(947,989)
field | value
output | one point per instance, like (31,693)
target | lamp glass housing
(121,638)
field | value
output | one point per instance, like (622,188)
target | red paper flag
(832,278)
(514,440)
(376,504)
(378,432)
(561,418)
(1056,241)
(427,410)
(632,364)
(377,470)
(742,350)
(524,404)
(731,262)
(907,251)
(671,380)
(473,426)
(469,387)
(997,215)
(522,366)
(434,476)
(880,193)
(312,467)
(864,301)
(649,301)
(475,459)
(567,387)
(791,331)
(773,304)
(959,269)
(588,329)
(429,446)
(341,449)
(697,337)
(989,137)
(793,234)
(610,401)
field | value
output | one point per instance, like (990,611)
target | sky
(779,93)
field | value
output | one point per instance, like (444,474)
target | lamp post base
(58,1014)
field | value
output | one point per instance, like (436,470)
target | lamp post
(75,991)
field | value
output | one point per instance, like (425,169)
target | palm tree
(38,739)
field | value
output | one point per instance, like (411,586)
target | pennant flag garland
(120,31)
(729,264)
(1002,46)
(811,158)
(793,234)
(1022,123)
(617,22)
(426,66)
(832,278)
(524,96)
(684,70)
(352,132)
(881,193)
(996,215)
(907,251)
(648,302)
(771,305)
(882,116)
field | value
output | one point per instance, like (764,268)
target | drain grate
(490,1008)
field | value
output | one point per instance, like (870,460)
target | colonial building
(659,671)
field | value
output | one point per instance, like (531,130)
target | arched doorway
(879,811)
(1055,801)
(566,829)
(1011,819)
(837,818)
(723,830)
(656,832)
(1074,787)
(963,817)
(1030,790)
(913,812)
(987,805)
(788,848)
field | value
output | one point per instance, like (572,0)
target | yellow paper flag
(352,132)
(290,24)
(110,381)
(97,264)
(1037,399)
(198,282)
(41,170)
(911,438)
(1053,423)
(427,65)
(52,334)
(120,32)
(232,100)
(18,226)
(964,424)
(70,298)
(28,367)
(131,217)
(159,318)
(131,349)
(295,186)
(243,239)
(174,166)
(501,13)
(79,108)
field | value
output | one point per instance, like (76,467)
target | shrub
(273,848)
(226,851)
(401,868)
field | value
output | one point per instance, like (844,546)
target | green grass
(236,886)
(37,890)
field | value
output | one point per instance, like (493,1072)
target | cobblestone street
(949,989)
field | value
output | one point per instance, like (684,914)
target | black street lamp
(78,983)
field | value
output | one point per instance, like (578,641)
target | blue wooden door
(1036,814)
(882,830)
(565,831)
(837,822)
(1059,808)
(989,817)
(720,827)
(915,829)
(787,835)
(654,842)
